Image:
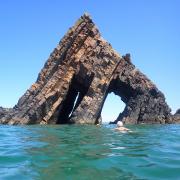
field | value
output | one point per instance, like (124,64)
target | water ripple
(89,152)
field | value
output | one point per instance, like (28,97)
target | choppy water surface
(89,152)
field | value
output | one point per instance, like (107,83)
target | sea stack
(76,79)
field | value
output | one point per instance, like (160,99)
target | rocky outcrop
(2,112)
(76,79)
(177,112)
(176,116)
(5,111)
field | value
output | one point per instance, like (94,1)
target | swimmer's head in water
(119,124)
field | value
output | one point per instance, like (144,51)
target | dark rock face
(76,79)
(176,116)
(177,112)
(5,112)
(2,112)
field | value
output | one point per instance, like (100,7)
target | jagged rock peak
(76,79)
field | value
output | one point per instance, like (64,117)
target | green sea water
(89,152)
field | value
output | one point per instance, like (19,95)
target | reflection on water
(88,152)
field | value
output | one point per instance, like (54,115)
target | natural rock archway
(75,81)
(112,107)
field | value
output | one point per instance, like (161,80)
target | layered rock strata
(76,79)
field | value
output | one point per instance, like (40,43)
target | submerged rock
(76,79)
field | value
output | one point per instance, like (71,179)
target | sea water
(89,152)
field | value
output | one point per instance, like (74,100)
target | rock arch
(85,65)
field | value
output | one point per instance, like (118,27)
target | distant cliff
(76,79)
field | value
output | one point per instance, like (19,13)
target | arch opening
(77,90)
(112,107)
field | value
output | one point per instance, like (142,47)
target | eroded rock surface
(5,112)
(76,79)
(176,116)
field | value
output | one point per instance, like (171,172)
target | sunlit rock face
(76,79)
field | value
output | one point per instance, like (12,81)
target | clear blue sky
(148,29)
